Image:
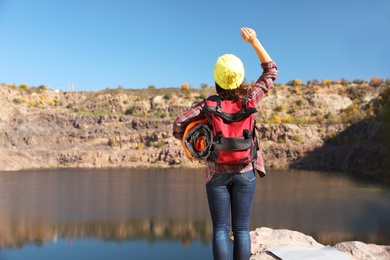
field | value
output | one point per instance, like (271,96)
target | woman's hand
(248,34)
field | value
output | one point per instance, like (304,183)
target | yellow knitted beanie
(229,72)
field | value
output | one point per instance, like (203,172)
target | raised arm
(249,35)
(270,71)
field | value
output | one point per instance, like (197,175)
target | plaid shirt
(197,112)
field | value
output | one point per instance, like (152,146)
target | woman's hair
(234,94)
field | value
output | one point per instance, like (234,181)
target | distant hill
(328,125)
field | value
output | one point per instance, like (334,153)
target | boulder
(265,239)
(361,251)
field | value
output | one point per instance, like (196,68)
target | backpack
(233,125)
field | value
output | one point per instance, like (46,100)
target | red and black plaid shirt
(197,112)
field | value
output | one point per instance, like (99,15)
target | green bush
(168,96)
(292,110)
(354,93)
(159,143)
(281,108)
(131,110)
(42,88)
(299,121)
(301,102)
(202,96)
(297,138)
(23,86)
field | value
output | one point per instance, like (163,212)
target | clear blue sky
(98,44)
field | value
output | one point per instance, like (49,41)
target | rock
(263,239)
(361,251)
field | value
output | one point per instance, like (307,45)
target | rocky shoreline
(264,240)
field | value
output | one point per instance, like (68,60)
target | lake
(163,213)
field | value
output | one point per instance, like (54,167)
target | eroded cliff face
(133,128)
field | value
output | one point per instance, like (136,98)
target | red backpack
(233,124)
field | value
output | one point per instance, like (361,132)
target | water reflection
(170,204)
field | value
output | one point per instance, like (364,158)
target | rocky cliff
(332,127)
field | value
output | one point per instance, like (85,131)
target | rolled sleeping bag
(197,140)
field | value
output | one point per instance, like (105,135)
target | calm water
(163,213)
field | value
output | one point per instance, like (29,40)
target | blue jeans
(231,193)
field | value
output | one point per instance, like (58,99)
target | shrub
(42,88)
(131,110)
(281,108)
(297,138)
(287,119)
(204,85)
(188,95)
(326,82)
(315,81)
(358,81)
(297,91)
(23,86)
(354,93)
(100,112)
(111,142)
(17,100)
(344,82)
(159,144)
(301,102)
(185,86)
(316,112)
(163,115)
(292,110)
(376,82)
(294,82)
(276,119)
(298,82)
(298,120)
(168,96)
(202,96)
(337,81)
(290,82)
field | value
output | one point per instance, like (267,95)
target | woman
(230,187)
